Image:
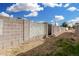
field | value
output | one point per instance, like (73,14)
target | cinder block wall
(56,30)
(26,31)
(77,29)
(38,30)
(12,32)
(17,31)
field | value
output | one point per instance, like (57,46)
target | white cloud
(53,4)
(31,14)
(56,4)
(51,21)
(61,5)
(73,9)
(59,17)
(4,14)
(40,21)
(73,21)
(57,24)
(66,5)
(33,7)
(11,16)
(25,7)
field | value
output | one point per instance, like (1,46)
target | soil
(49,45)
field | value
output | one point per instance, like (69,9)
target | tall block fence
(77,29)
(56,30)
(14,32)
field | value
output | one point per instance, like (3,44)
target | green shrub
(68,48)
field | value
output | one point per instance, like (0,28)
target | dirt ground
(21,49)
(49,45)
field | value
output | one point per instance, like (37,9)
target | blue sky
(40,12)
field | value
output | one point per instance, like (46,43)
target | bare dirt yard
(65,44)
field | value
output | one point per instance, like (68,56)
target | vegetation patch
(63,45)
